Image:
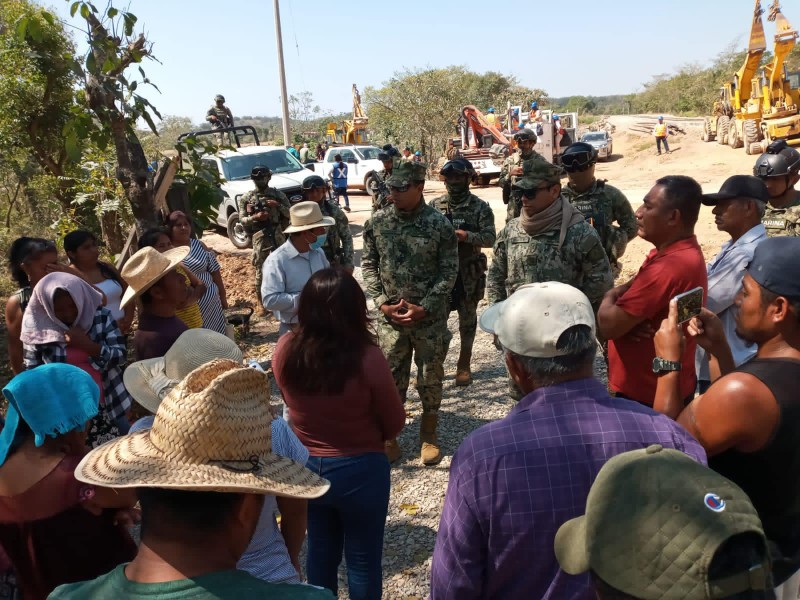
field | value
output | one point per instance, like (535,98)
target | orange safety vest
(661,130)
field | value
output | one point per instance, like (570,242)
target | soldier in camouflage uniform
(219,116)
(264,214)
(779,169)
(600,203)
(473,220)
(338,246)
(380,200)
(410,264)
(513,168)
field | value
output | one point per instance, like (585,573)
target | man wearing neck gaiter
(549,241)
(473,221)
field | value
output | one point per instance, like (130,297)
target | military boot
(430,454)
(463,374)
(393,451)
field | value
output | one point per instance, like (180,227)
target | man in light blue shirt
(738,208)
(288,269)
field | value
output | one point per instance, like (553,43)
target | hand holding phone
(689,304)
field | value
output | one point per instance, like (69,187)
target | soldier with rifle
(220,116)
(473,221)
(264,214)
(513,169)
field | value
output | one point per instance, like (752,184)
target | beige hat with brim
(212,433)
(150,380)
(307,215)
(146,267)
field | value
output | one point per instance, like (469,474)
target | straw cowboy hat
(211,433)
(307,215)
(149,381)
(146,267)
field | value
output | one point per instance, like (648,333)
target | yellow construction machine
(352,131)
(756,108)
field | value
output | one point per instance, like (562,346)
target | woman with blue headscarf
(53,528)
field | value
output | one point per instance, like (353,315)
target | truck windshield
(368,152)
(278,161)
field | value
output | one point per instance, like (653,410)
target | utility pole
(287,140)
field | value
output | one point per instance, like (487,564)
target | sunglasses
(400,188)
(519,193)
(576,162)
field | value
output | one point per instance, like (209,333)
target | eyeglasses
(580,161)
(519,193)
(400,188)
(456,168)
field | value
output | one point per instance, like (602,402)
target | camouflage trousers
(512,209)
(427,345)
(467,322)
(262,247)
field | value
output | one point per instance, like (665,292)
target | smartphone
(689,304)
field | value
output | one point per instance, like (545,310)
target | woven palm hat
(150,380)
(307,215)
(211,433)
(146,267)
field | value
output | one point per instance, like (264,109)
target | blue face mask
(319,242)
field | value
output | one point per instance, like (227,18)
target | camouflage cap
(536,173)
(654,520)
(405,172)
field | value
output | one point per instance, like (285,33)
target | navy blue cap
(774,266)
(738,186)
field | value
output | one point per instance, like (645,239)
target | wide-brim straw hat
(307,215)
(150,380)
(213,432)
(146,267)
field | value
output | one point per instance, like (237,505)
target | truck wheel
(733,134)
(371,185)
(722,129)
(236,233)
(751,135)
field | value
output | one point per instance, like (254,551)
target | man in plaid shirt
(107,351)
(515,481)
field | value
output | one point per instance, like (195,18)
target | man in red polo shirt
(631,313)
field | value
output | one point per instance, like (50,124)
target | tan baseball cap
(532,319)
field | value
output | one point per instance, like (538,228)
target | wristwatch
(661,365)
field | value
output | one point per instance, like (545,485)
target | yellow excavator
(755,109)
(352,131)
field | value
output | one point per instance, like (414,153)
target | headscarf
(51,399)
(40,324)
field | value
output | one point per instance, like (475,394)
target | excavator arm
(475,121)
(755,50)
(777,92)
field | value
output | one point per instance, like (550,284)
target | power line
(297,46)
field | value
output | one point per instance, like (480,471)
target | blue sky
(567,48)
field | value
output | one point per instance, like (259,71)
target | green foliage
(202,183)
(420,107)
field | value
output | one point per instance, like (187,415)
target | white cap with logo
(532,319)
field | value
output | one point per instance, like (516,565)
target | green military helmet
(537,173)
(407,172)
(525,135)
(459,166)
(578,157)
(219,98)
(260,172)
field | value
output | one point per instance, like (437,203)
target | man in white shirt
(288,268)
(738,208)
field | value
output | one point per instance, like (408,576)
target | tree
(580,105)
(302,107)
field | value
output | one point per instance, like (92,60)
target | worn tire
(236,233)
(722,129)
(734,141)
(751,133)
(755,148)
(707,136)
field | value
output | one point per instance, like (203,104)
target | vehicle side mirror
(309,166)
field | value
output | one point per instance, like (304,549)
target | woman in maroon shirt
(343,405)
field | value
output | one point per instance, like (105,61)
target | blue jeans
(342,191)
(350,517)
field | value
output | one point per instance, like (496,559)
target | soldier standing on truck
(779,169)
(601,204)
(338,241)
(219,115)
(264,214)
(512,168)
(473,220)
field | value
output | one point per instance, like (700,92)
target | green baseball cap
(536,173)
(406,171)
(654,520)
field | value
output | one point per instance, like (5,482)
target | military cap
(654,520)
(405,172)
(774,266)
(537,172)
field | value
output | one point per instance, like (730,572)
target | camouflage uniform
(783,221)
(338,246)
(471,214)
(412,256)
(381,199)
(224,119)
(602,205)
(516,160)
(267,235)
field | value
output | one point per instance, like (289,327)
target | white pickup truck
(362,165)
